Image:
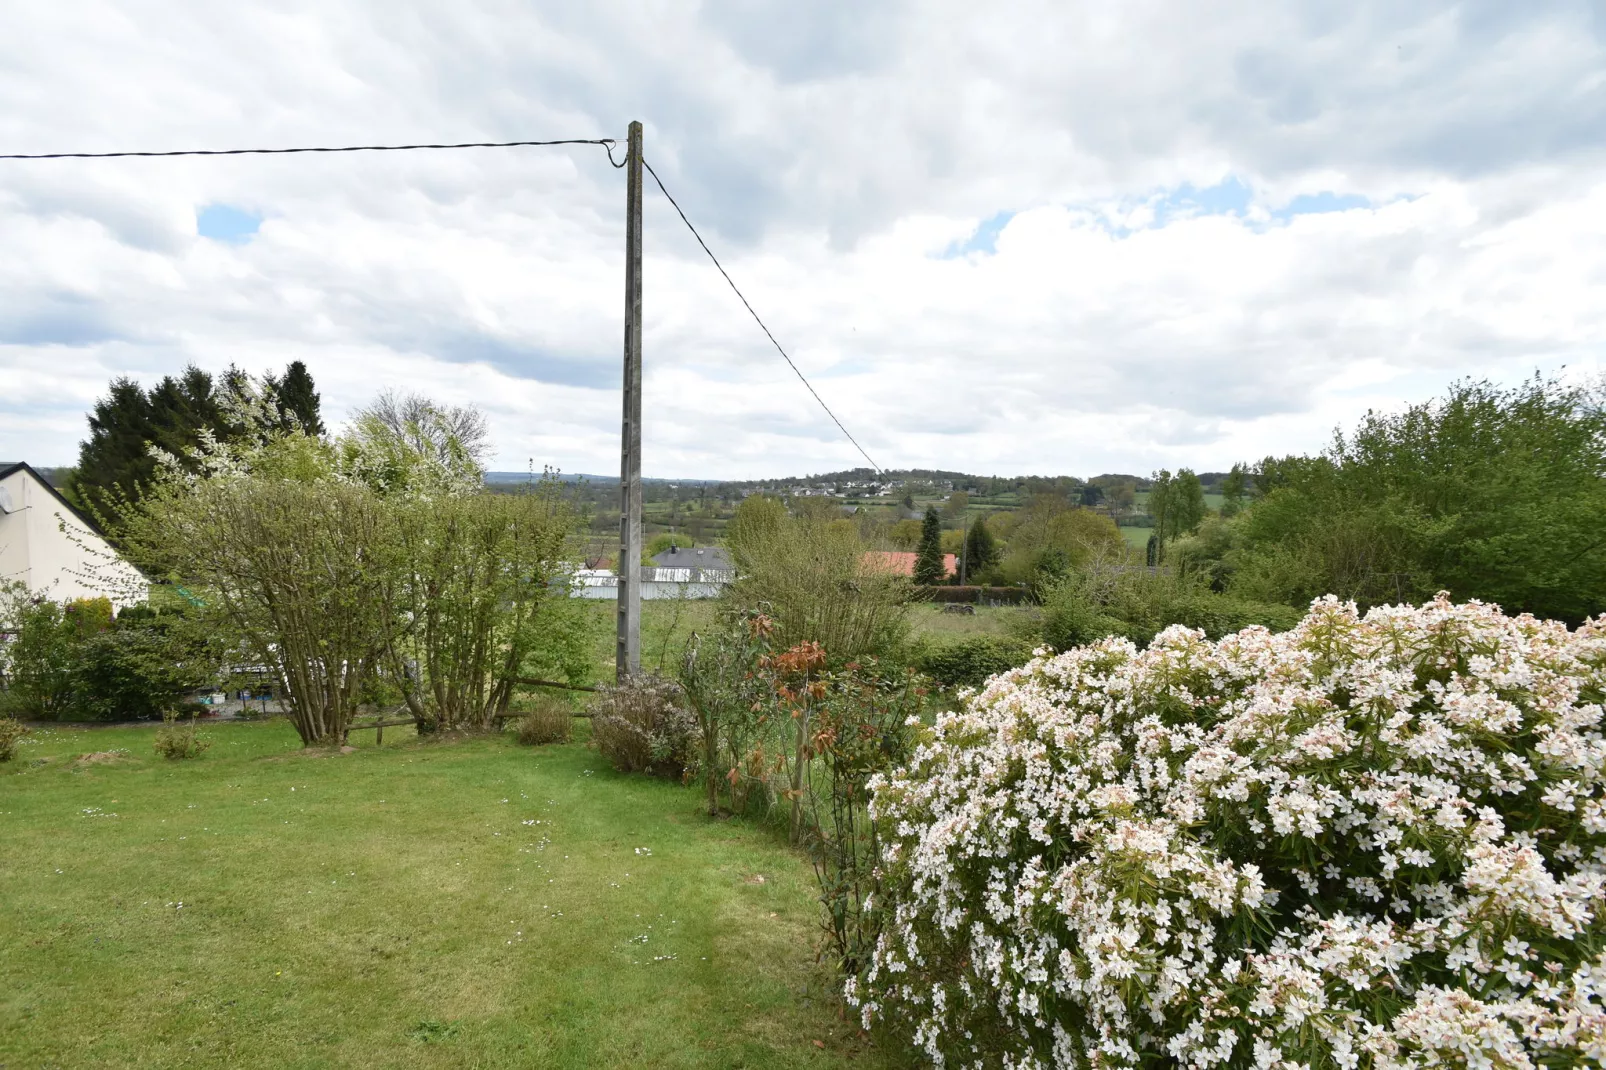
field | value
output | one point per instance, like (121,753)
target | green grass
(666,627)
(927,618)
(1137,538)
(393,907)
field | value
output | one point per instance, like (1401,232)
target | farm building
(687,572)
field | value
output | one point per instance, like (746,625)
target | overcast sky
(1001,238)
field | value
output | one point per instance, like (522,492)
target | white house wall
(651,590)
(57,564)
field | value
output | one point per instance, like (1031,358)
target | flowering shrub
(641,727)
(1371,841)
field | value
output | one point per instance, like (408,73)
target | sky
(999,238)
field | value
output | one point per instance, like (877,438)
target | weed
(177,739)
(430,1031)
(10,731)
(550,722)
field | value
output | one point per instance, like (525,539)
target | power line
(606,142)
(757,320)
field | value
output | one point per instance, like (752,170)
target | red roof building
(902,563)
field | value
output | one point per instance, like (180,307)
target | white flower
(1084,859)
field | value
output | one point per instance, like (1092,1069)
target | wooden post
(627,657)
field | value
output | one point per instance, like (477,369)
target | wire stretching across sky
(607,143)
(756,318)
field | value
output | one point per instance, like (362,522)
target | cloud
(1025,238)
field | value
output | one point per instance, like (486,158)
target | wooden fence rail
(380,725)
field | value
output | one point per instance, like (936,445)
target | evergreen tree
(114,463)
(929,569)
(981,549)
(296,397)
(180,408)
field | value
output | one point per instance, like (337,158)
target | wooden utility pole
(627,658)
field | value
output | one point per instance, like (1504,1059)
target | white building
(45,544)
(698,572)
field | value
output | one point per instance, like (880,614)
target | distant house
(706,559)
(902,563)
(687,572)
(46,545)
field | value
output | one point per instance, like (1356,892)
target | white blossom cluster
(1373,842)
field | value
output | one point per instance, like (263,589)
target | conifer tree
(929,568)
(115,465)
(180,408)
(296,397)
(981,549)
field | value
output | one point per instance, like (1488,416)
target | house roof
(693,557)
(10,468)
(902,563)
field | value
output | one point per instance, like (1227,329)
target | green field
(424,904)
(1213,499)
(1137,538)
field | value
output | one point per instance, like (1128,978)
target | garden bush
(968,662)
(72,660)
(1372,841)
(10,731)
(725,690)
(812,577)
(865,721)
(641,726)
(550,722)
(1139,603)
(177,738)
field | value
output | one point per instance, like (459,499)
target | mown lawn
(423,904)
(929,619)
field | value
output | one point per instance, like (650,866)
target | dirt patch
(104,757)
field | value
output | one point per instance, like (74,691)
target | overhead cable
(606,142)
(756,319)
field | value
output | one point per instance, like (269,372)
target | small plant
(430,1031)
(550,722)
(177,738)
(641,727)
(10,731)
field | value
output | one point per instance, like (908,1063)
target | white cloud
(837,156)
